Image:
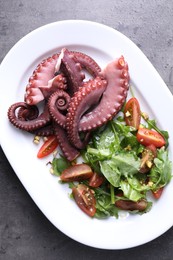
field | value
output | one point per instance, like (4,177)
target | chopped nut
(51,170)
(36,139)
(149,164)
(145,116)
(128,148)
(150,183)
(127,114)
(55,153)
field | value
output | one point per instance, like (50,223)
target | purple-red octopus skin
(44,80)
(83,99)
(117,76)
(72,69)
(70,104)
(40,78)
(69,151)
(30,125)
(59,101)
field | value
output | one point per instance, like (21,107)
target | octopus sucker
(92,92)
(73,105)
(87,63)
(113,97)
(44,131)
(69,151)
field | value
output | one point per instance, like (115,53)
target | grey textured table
(25,233)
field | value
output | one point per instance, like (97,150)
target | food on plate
(124,153)
(70,104)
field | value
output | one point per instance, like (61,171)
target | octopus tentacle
(36,94)
(117,76)
(44,72)
(33,96)
(69,151)
(87,63)
(28,114)
(42,120)
(73,108)
(44,131)
(83,99)
(40,77)
(71,69)
(58,101)
(47,77)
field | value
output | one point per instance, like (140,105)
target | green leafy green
(122,164)
(130,192)
(59,164)
(161,172)
(115,153)
(104,206)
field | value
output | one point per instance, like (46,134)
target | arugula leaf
(161,172)
(127,135)
(104,207)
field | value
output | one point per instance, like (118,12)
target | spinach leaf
(111,172)
(59,164)
(130,192)
(138,185)
(122,164)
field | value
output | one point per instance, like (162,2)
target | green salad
(125,161)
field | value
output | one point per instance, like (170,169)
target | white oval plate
(103,44)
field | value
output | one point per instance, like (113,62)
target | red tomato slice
(48,147)
(132,113)
(96,180)
(146,137)
(131,205)
(157,194)
(77,172)
(85,199)
(148,155)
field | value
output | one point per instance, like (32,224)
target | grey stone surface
(25,233)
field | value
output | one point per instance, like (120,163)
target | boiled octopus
(71,105)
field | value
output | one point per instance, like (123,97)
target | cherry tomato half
(48,147)
(77,172)
(131,205)
(157,194)
(146,137)
(132,113)
(96,180)
(85,199)
(148,155)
